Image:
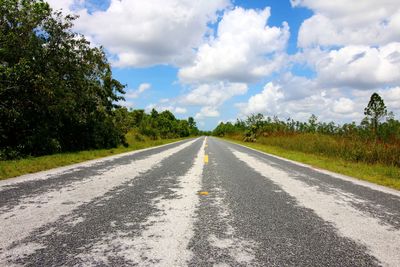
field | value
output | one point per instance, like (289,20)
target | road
(198,202)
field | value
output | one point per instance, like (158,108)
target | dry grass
(317,151)
(349,149)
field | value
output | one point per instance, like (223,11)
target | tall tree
(192,123)
(193,130)
(375,111)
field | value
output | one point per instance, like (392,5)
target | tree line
(378,124)
(155,125)
(58,93)
(376,139)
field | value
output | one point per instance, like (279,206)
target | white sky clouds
(207,112)
(143,33)
(132,94)
(245,49)
(212,96)
(136,93)
(343,106)
(61,4)
(392,97)
(274,101)
(350,48)
(343,22)
(360,66)
(267,102)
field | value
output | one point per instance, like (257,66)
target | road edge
(64,168)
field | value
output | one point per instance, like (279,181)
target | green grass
(376,173)
(13,168)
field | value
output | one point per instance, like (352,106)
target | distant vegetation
(155,125)
(375,140)
(58,94)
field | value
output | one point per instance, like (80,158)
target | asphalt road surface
(199,202)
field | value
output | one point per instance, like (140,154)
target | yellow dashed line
(205,158)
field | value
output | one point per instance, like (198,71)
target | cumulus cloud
(360,66)
(211,96)
(343,106)
(180,110)
(353,48)
(327,104)
(340,22)
(297,87)
(132,94)
(267,102)
(143,33)
(207,112)
(137,92)
(244,49)
(64,5)
(392,97)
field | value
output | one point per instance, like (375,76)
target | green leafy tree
(137,117)
(255,120)
(57,93)
(193,130)
(192,123)
(183,128)
(162,124)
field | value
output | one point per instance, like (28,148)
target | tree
(154,113)
(312,123)
(255,120)
(161,125)
(375,111)
(192,123)
(57,93)
(192,126)
(137,117)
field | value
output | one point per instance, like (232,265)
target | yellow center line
(205,158)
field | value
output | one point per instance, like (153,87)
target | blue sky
(218,60)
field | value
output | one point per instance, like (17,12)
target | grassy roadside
(13,168)
(375,173)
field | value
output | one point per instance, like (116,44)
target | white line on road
(382,240)
(167,233)
(48,174)
(353,180)
(36,211)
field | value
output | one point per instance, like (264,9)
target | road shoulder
(374,176)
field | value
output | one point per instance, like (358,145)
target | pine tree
(375,111)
